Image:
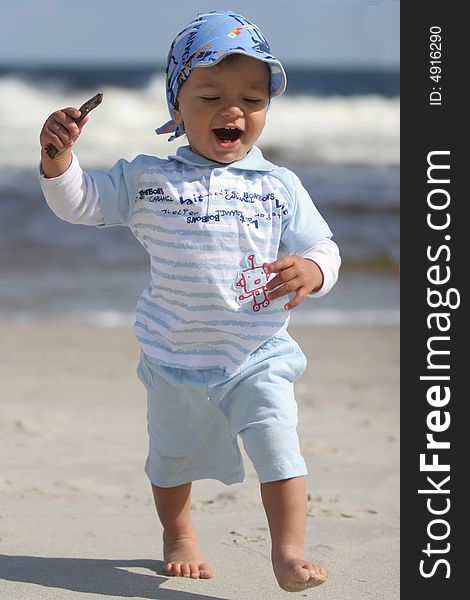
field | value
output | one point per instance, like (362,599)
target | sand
(76,515)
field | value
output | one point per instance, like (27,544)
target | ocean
(337,129)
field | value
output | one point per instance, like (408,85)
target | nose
(231,110)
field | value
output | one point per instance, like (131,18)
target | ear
(177,116)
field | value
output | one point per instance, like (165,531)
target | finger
(59,128)
(82,123)
(54,141)
(72,112)
(59,138)
(286,288)
(280,264)
(282,277)
(299,297)
(67,122)
(54,133)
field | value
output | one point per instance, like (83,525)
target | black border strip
(434,124)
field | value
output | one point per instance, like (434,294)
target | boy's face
(224,107)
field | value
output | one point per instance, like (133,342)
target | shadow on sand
(95,576)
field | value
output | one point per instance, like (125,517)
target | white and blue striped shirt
(208,228)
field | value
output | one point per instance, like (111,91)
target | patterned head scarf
(206,41)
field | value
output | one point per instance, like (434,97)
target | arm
(314,272)
(325,254)
(94,198)
(70,193)
(61,130)
(308,260)
(73,196)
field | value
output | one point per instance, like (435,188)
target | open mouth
(228,134)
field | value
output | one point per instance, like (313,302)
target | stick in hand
(84,110)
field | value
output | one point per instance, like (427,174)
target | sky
(353,33)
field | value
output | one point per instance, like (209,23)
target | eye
(252,100)
(210,98)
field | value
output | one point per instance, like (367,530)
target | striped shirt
(208,228)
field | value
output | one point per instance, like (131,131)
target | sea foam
(333,129)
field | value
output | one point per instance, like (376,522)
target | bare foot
(294,573)
(183,558)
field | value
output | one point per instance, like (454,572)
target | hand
(61,130)
(294,274)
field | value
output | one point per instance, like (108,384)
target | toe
(185,570)
(205,571)
(301,573)
(194,570)
(317,574)
(300,576)
(176,569)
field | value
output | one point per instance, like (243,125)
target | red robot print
(253,282)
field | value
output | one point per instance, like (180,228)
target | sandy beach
(77,519)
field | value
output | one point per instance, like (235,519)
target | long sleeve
(73,196)
(325,253)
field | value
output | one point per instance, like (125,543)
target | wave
(335,129)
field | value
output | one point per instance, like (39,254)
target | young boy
(230,236)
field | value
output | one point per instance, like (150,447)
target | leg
(286,509)
(181,551)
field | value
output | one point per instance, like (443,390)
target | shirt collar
(253,161)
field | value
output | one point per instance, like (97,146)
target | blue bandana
(206,41)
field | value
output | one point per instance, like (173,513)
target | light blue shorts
(195,418)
